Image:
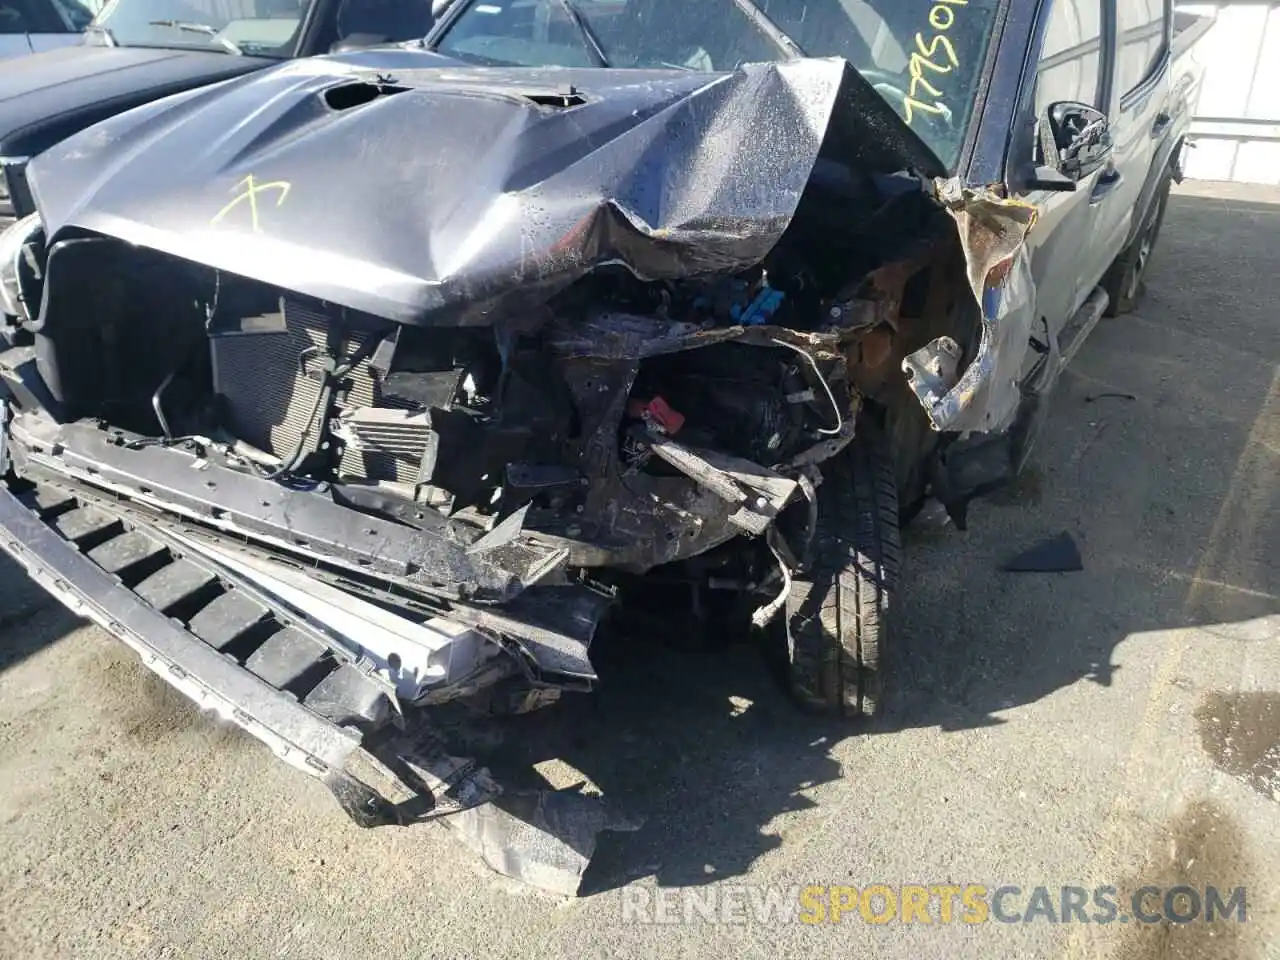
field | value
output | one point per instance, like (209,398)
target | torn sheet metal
(543,838)
(993,233)
(554,626)
(672,174)
(758,494)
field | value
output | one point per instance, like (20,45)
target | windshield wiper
(588,35)
(770,29)
(213,32)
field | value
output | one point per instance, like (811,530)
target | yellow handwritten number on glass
(929,55)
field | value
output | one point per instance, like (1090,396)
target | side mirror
(1083,138)
(1078,136)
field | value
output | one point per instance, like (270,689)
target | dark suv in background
(137,51)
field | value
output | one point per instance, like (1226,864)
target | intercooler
(386,444)
(269,373)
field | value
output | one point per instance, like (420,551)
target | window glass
(1140,30)
(852,29)
(259,27)
(1070,61)
(74,13)
(925,57)
(16,16)
(680,34)
(392,20)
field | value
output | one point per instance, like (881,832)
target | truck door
(1138,124)
(1071,68)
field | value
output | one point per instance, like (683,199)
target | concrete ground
(1116,726)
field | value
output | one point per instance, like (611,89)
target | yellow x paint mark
(249,188)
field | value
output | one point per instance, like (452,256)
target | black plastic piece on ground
(360,802)
(1056,555)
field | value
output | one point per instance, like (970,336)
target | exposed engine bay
(632,423)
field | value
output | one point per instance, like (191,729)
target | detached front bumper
(380,774)
(213,682)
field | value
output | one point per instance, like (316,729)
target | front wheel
(838,614)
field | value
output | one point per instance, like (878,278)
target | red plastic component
(660,412)
(665,416)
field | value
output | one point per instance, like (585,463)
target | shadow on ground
(29,618)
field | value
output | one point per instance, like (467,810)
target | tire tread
(838,613)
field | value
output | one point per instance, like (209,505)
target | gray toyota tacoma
(375,383)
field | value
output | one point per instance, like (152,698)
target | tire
(838,613)
(1123,282)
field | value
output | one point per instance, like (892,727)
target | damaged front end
(333,432)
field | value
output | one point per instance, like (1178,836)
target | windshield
(76,13)
(923,56)
(268,28)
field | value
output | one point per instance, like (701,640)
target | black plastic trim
(193,667)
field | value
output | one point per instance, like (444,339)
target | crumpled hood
(410,186)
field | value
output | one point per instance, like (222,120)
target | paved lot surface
(1116,726)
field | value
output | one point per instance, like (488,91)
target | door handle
(1107,181)
(1161,126)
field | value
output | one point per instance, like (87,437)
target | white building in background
(1237,127)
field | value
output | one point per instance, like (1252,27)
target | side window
(1071,59)
(1140,28)
(17,17)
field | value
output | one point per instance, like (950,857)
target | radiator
(269,373)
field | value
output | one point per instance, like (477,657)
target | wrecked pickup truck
(375,382)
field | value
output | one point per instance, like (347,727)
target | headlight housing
(13,198)
(13,240)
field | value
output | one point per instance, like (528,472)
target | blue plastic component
(761,309)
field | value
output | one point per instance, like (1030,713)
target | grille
(240,627)
(270,373)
